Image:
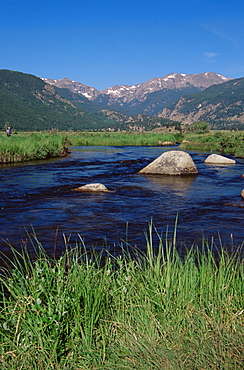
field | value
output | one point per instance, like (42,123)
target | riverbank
(225,142)
(124,138)
(41,145)
(96,311)
(26,146)
(31,146)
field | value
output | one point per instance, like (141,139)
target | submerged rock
(94,187)
(242,194)
(218,159)
(173,162)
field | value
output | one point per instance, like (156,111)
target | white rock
(173,162)
(93,187)
(218,159)
(165,143)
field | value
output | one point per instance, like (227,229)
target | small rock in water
(218,159)
(165,143)
(242,194)
(94,187)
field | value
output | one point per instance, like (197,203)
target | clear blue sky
(102,43)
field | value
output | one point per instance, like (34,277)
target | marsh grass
(157,310)
(122,138)
(225,142)
(200,146)
(19,148)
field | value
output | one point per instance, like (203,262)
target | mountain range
(149,97)
(29,102)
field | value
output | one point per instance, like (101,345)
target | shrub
(198,128)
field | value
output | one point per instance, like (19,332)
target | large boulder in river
(218,159)
(173,162)
(94,187)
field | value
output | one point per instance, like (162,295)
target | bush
(198,128)
(229,141)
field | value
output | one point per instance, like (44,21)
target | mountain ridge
(27,102)
(140,98)
(220,105)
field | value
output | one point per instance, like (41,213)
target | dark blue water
(38,196)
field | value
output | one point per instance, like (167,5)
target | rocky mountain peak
(140,98)
(139,91)
(77,87)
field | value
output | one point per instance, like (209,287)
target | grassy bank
(31,146)
(123,138)
(157,311)
(40,145)
(27,146)
(220,141)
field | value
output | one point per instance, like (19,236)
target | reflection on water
(178,184)
(39,195)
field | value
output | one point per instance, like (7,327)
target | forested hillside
(28,103)
(220,105)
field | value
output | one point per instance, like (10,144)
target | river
(37,197)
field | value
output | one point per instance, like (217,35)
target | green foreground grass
(96,311)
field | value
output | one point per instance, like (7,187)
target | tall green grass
(157,310)
(222,141)
(18,148)
(122,138)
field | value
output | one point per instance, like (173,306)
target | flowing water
(38,196)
